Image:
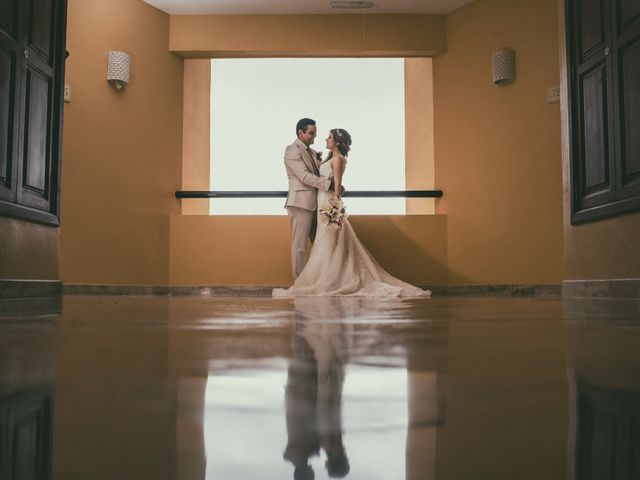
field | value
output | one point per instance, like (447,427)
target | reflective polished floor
(195,388)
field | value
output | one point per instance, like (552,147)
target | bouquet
(333,213)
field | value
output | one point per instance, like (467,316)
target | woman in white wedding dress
(339,264)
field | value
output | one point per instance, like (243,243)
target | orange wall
(418,127)
(497,152)
(603,249)
(255,250)
(497,148)
(122,150)
(307,35)
(196,129)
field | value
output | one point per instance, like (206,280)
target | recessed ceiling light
(351,4)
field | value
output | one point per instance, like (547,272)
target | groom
(302,164)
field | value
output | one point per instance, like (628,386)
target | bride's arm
(337,163)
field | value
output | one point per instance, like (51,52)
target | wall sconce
(504,66)
(118,69)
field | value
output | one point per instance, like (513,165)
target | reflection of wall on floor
(605,397)
(26,422)
(191,454)
(425,415)
(26,394)
(112,393)
(607,425)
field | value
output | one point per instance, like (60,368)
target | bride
(339,264)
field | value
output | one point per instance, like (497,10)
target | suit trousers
(303,227)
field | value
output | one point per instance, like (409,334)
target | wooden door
(603,41)
(32,42)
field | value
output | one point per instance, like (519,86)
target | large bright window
(255,104)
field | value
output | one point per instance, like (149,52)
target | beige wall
(122,150)
(307,35)
(603,249)
(28,251)
(497,149)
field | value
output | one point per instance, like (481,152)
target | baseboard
(169,290)
(30,298)
(539,291)
(501,290)
(628,288)
(31,308)
(610,298)
(19,289)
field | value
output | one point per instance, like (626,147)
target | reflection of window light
(255,104)
(244,426)
(245,429)
(374,416)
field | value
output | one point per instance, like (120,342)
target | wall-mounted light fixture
(504,66)
(118,69)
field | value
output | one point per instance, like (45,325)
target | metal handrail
(283,194)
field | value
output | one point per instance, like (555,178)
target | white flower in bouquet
(333,213)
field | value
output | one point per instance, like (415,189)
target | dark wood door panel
(593,160)
(591,27)
(36,159)
(10,65)
(9,18)
(628,13)
(41,27)
(7,111)
(629,131)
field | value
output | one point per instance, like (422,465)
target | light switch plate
(67,92)
(553,93)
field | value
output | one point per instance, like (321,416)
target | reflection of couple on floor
(314,389)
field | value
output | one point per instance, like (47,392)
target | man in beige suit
(302,164)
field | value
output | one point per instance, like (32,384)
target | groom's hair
(303,123)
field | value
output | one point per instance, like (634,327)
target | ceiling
(249,7)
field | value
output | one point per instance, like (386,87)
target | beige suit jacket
(303,182)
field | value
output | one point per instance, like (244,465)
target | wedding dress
(340,265)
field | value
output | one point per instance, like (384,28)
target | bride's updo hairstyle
(342,139)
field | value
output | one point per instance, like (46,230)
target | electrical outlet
(553,93)
(67,92)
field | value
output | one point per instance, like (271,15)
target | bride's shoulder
(339,160)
